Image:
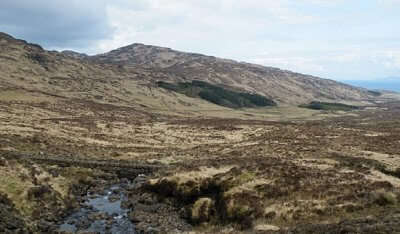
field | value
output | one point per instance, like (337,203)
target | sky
(336,39)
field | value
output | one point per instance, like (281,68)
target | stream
(101,212)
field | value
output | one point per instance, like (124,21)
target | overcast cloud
(339,39)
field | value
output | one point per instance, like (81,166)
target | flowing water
(101,213)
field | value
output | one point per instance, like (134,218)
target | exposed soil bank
(153,214)
(218,199)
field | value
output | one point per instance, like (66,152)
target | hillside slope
(283,86)
(128,76)
(27,71)
(71,125)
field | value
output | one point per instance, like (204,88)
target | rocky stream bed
(122,206)
(101,212)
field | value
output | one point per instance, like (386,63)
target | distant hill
(129,76)
(279,85)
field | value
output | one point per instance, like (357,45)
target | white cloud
(389,2)
(299,64)
(324,2)
(329,38)
(346,63)
(55,23)
(176,23)
(388,58)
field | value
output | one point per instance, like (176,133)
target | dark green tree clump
(217,95)
(329,106)
(374,93)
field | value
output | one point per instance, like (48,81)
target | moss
(15,189)
(233,178)
(240,213)
(384,198)
(81,175)
(245,177)
(11,218)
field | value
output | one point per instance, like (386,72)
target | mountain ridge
(119,74)
(283,85)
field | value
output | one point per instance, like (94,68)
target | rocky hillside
(28,70)
(128,76)
(280,85)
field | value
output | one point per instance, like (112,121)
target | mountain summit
(285,87)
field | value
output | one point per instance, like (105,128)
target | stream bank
(123,206)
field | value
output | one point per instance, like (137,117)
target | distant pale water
(387,85)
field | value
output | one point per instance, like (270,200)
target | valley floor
(319,173)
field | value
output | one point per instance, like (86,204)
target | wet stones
(97,216)
(114,198)
(83,224)
(101,212)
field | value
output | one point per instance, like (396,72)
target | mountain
(283,86)
(129,76)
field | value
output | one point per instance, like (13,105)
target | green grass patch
(217,95)
(15,189)
(329,106)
